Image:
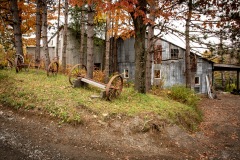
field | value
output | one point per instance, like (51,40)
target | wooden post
(237,79)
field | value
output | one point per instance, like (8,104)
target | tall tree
(16,27)
(91,5)
(187,37)
(81,56)
(138,17)
(150,44)
(107,51)
(38,30)
(64,56)
(58,27)
(44,32)
(90,36)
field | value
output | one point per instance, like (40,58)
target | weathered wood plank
(96,84)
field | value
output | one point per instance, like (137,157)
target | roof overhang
(225,67)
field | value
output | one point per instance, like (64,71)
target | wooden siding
(203,68)
(73,49)
(126,57)
(172,71)
(31,51)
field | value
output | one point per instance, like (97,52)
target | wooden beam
(91,82)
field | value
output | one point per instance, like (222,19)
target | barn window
(174,53)
(197,80)
(197,89)
(157,54)
(157,74)
(97,66)
(126,73)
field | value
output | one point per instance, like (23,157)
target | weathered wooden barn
(168,65)
(73,48)
(168,60)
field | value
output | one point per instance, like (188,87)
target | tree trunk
(64,51)
(38,30)
(150,50)
(44,32)
(139,46)
(221,61)
(81,56)
(187,54)
(58,25)
(90,34)
(106,70)
(16,27)
(115,54)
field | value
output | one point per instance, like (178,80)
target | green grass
(54,95)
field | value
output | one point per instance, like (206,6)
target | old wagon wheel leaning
(114,87)
(52,68)
(19,60)
(76,72)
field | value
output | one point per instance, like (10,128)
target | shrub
(184,95)
(98,76)
(230,87)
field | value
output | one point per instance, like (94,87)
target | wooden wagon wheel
(114,87)
(19,60)
(77,71)
(52,68)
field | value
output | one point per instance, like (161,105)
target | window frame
(199,81)
(174,53)
(159,74)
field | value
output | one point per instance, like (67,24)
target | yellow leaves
(30,41)
(100,17)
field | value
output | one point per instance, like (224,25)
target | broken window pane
(157,74)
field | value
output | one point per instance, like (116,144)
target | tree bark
(187,54)
(107,51)
(44,33)
(139,46)
(81,56)
(38,31)
(16,27)
(64,51)
(58,25)
(150,50)
(222,60)
(90,34)
(115,54)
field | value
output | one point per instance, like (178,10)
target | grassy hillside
(55,97)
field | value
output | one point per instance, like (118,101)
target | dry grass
(54,95)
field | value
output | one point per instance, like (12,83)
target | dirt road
(27,135)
